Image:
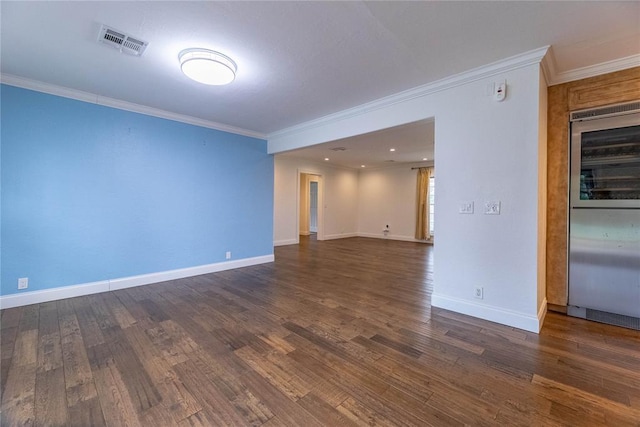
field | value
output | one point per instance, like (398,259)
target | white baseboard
(392,237)
(46,295)
(339,236)
(494,314)
(285,242)
(542,313)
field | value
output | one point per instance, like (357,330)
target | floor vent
(613,319)
(122,41)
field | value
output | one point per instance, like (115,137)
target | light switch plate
(492,208)
(466,208)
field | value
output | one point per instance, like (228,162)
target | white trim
(548,66)
(595,70)
(542,313)
(340,236)
(285,242)
(92,98)
(392,237)
(45,295)
(494,314)
(499,67)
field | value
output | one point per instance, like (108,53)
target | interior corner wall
(387,196)
(340,199)
(486,151)
(92,193)
(542,197)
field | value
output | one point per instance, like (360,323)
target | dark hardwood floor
(334,333)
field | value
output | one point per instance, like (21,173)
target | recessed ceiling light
(361,166)
(392,149)
(207,66)
(326,159)
(424,158)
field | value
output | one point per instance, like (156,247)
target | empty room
(319,213)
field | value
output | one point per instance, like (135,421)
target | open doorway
(309,205)
(313,206)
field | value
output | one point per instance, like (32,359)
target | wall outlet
(466,208)
(492,208)
(23,283)
(479,292)
(228,255)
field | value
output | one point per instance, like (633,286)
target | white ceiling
(412,143)
(298,61)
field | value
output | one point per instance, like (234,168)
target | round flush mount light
(207,66)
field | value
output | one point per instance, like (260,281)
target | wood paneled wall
(597,91)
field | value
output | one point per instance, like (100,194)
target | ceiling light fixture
(207,66)
(392,149)
(326,159)
(361,166)
(424,159)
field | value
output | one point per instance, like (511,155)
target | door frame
(321,205)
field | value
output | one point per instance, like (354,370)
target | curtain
(422,206)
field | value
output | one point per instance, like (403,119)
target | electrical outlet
(492,208)
(466,208)
(228,255)
(479,292)
(23,283)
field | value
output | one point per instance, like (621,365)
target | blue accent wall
(91,193)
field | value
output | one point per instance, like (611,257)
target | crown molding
(548,66)
(593,70)
(92,98)
(505,65)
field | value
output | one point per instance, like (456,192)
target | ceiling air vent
(121,41)
(338,149)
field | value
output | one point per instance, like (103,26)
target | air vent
(612,110)
(338,149)
(613,319)
(122,41)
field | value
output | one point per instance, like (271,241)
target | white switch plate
(492,208)
(23,283)
(466,208)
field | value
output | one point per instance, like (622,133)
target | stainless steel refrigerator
(604,215)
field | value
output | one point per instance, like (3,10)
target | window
(431,203)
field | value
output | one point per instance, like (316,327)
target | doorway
(309,205)
(313,206)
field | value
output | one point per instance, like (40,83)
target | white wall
(338,194)
(486,151)
(388,196)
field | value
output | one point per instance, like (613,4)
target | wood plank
(115,401)
(18,400)
(323,336)
(86,413)
(77,372)
(50,398)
